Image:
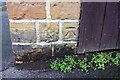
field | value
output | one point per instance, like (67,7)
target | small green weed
(65,65)
(82,63)
(98,61)
(116,60)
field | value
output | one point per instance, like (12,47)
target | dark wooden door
(99,26)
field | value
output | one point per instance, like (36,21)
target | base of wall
(46,49)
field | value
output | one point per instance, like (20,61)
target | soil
(38,65)
(42,61)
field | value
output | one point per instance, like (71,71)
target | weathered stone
(26,49)
(70,31)
(49,31)
(65,10)
(23,32)
(22,49)
(26,10)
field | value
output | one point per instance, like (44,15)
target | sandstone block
(70,31)
(23,32)
(65,10)
(49,31)
(26,10)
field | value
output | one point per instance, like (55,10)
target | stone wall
(42,23)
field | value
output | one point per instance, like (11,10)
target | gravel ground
(13,72)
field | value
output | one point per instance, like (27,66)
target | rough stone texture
(69,31)
(23,32)
(65,10)
(26,10)
(49,31)
(23,49)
